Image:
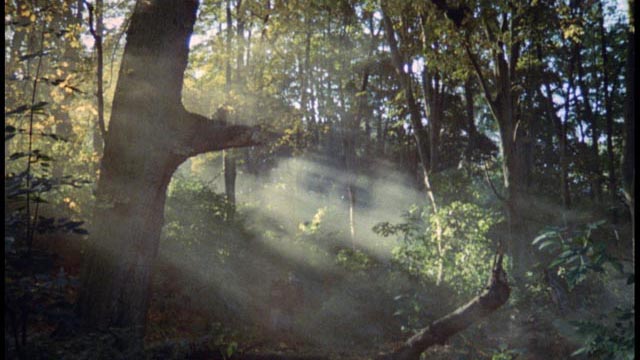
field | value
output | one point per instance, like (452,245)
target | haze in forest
(343,179)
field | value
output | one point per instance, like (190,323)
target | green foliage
(194,212)
(613,337)
(466,251)
(577,251)
(413,310)
(35,291)
(353,260)
(505,353)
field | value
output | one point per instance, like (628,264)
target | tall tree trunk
(587,111)
(613,185)
(432,92)
(99,127)
(350,152)
(230,173)
(150,134)
(561,128)
(420,137)
(513,140)
(228,156)
(306,79)
(472,131)
(628,160)
(562,143)
(99,140)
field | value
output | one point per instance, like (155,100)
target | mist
(279,208)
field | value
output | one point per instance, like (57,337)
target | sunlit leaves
(467,249)
(573,32)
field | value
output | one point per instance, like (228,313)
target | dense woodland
(322,179)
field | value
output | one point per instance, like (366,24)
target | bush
(467,250)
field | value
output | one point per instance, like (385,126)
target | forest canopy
(256,179)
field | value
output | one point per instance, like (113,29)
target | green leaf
(572,258)
(555,263)
(580,351)
(617,265)
(543,236)
(546,244)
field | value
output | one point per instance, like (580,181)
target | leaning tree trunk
(150,134)
(438,332)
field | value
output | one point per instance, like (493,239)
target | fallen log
(492,297)
(495,294)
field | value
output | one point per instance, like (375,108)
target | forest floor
(535,329)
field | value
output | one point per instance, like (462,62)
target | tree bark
(587,113)
(502,103)
(230,174)
(98,137)
(628,160)
(433,98)
(150,134)
(608,105)
(472,131)
(228,157)
(420,136)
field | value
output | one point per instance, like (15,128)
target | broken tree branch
(494,295)
(204,135)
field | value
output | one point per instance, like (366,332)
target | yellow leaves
(74,43)
(95,158)
(87,107)
(49,121)
(55,95)
(198,164)
(70,203)
(573,32)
